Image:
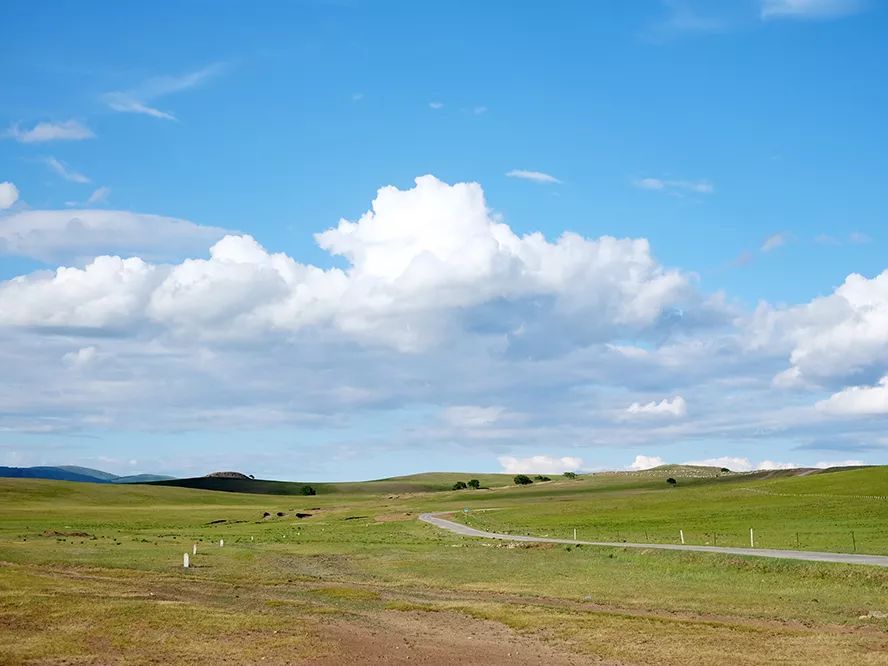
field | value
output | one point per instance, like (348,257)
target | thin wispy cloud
(684,17)
(139,100)
(479,110)
(535,176)
(774,241)
(70,130)
(810,9)
(854,238)
(357,97)
(62,169)
(436,105)
(674,186)
(99,195)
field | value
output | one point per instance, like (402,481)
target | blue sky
(738,148)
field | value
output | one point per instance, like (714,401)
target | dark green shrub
(522,480)
(672,482)
(308,490)
(474,484)
(460,485)
(570,475)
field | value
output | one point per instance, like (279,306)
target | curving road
(813,556)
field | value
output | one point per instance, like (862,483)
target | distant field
(93,573)
(416,483)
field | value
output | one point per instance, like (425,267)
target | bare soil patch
(416,637)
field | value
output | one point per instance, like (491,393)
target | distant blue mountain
(74,473)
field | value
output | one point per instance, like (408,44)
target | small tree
(522,480)
(308,490)
(672,482)
(540,477)
(460,485)
(474,484)
(570,475)
(725,469)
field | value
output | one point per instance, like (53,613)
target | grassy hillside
(817,511)
(415,483)
(103,564)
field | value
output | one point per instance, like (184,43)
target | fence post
(221,543)
(751,538)
(185,560)
(194,549)
(853,542)
(681,533)
(575,533)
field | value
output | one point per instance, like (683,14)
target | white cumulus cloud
(643,462)
(858,400)
(830,337)
(674,407)
(9,194)
(540,464)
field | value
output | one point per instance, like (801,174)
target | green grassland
(93,573)
(813,512)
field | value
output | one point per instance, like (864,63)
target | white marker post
(681,533)
(751,538)
(251,538)
(575,533)
(221,543)
(185,560)
(194,549)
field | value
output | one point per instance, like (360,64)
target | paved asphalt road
(874,560)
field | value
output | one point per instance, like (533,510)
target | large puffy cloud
(858,400)
(108,293)
(468,334)
(78,235)
(420,262)
(832,338)
(643,462)
(540,464)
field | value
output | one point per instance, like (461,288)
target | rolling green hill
(415,483)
